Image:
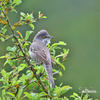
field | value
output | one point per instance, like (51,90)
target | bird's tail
(48,69)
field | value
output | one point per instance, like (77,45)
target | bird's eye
(44,37)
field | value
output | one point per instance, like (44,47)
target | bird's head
(43,36)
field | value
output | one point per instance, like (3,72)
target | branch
(25,57)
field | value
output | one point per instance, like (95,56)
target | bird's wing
(44,55)
(41,51)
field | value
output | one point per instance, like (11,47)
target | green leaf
(59,43)
(3,36)
(2,39)
(75,94)
(28,95)
(29,74)
(58,62)
(43,94)
(20,91)
(65,98)
(14,10)
(39,12)
(41,69)
(3,30)
(60,73)
(64,89)
(72,96)
(31,25)
(58,91)
(2,57)
(13,95)
(3,72)
(35,96)
(23,79)
(22,14)
(1,80)
(44,17)
(28,33)
(11,48)
(3,92)
(17,2)
(21,67)
(30,86)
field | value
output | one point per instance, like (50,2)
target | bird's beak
(50,36)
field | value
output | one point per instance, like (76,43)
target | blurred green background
(76,22)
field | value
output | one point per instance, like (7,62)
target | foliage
(27,80)
(75,96)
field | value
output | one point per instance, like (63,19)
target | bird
(39,52)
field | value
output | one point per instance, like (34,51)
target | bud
(27,21)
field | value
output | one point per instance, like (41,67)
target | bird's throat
(46,41)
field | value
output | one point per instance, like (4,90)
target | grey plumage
(39,52)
